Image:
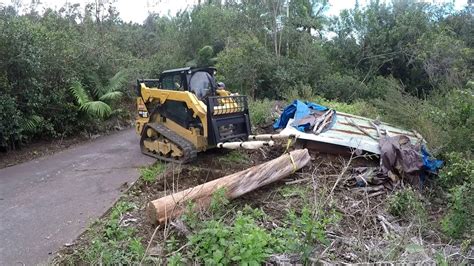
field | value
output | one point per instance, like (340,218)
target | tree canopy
(265,49)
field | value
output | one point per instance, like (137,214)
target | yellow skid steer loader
(185,111)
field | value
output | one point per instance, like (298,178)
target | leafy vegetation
(406,204)
(115,243)
(104,95)
(150,174)
(260,112)
(243,242)
(242,239)
(458,178)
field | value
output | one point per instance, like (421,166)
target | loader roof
(210,70)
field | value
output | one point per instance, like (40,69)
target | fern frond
(98,88)
(79,93)
(117,111)
(116,82)
(97,109)
(111,96)
(31,123)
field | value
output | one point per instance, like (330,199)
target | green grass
(294,191)
(260,112)
(406,204)
(150,174)
(114,243)
(234,157)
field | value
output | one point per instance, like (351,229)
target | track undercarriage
(160,142)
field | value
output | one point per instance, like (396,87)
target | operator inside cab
(202,84)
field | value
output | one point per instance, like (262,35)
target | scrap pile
(403,155)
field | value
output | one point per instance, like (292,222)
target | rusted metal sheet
(345,133)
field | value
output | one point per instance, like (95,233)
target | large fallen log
(235,185)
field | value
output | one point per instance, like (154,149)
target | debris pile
(402,157)
(306,116)
(403,154)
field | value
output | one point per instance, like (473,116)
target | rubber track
(187,147)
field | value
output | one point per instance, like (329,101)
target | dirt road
(48,202)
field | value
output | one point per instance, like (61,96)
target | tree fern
(116,83)
(98,89)
(79,93)
(97,109)
(111,96)
(98,105)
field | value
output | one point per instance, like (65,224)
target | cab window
(201,84)
(172,82)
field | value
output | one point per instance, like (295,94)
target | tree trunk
(235,185)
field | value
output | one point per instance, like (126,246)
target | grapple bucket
(228,118)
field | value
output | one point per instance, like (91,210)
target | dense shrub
(341,87)
(458,178)
(453,113)
(260,112)
(10,130)
(458,219)
(459,169)
(245,66)
(299,91)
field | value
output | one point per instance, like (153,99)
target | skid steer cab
(185,111)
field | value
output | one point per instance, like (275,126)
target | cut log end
(152,213)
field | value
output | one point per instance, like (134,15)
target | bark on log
(236,185)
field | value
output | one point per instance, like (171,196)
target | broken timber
(235,185)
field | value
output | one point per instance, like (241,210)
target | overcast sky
(137,10)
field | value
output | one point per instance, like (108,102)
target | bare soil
(37,149)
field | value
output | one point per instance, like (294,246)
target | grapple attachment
(228,118)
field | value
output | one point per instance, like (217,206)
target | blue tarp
(429,163)
(297,110)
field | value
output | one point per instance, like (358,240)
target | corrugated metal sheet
(343,133)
